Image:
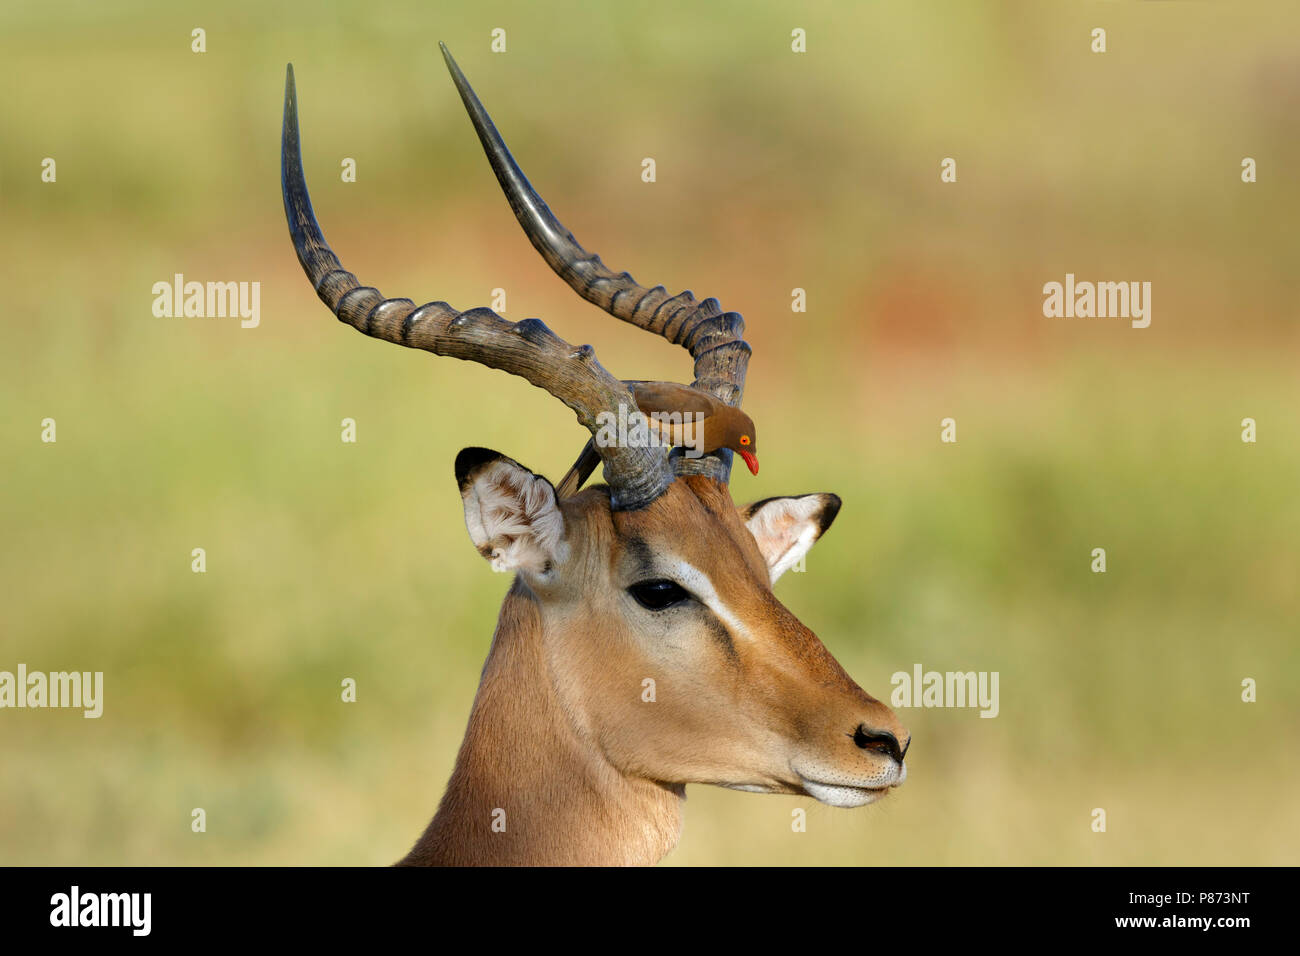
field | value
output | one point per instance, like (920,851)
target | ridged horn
(636,476)
(715,339)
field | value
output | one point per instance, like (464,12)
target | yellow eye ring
(744,439)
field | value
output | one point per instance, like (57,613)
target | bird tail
(582,469)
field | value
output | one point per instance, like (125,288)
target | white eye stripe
(698,583)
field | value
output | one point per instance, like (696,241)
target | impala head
(679,593)
(663,639)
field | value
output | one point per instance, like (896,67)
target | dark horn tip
(290,89)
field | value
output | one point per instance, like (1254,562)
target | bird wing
(671,397)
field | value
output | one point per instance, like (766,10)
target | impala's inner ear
(786,528)
(510,512)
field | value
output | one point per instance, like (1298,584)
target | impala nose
(881,741)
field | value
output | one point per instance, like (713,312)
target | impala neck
(527,788)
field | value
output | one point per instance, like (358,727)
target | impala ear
(510,512)
(787,528)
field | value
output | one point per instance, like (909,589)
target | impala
(640,647)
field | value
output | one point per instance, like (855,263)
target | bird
(678,415)
(719,425)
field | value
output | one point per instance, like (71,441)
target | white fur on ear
(512,517)
(787,528)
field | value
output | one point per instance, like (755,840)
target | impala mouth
(831,794)
(839,795)
(844,791)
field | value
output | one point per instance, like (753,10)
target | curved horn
(714,338)
(636,476)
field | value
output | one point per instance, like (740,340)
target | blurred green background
(775,171)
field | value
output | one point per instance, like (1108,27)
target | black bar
(874,906)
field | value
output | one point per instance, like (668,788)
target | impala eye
(657,595)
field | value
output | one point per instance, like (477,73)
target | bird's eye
(744,439)
(657,595)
